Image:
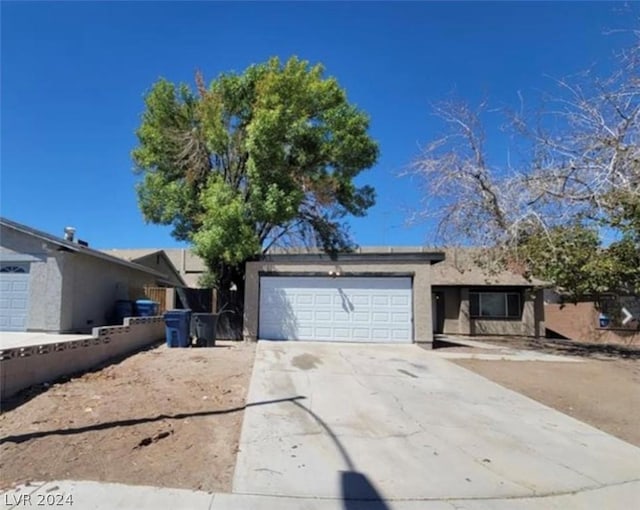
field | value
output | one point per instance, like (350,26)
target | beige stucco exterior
(158,260)
(458,320)
(419,271)
(91,288)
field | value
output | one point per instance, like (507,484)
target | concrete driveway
(397,425)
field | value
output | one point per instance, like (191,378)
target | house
(297,294)
(188,266)
(469,300)
(385,295)
(367,296)
(58,285)
(157,260)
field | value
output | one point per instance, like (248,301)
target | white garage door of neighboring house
(347,309)
(14,296)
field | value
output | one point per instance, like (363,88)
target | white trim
(22,257)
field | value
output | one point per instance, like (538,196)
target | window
(495,305)
(12,269)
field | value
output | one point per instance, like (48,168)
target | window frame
(505,295)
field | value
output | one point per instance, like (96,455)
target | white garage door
(344,309)
(14,296)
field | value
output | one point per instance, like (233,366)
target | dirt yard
(162,417)
(603,391)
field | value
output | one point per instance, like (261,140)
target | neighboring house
(189,267)
(468,300)
(51,284)
(157,260)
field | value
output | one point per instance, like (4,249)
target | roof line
(432,257)
(76,248)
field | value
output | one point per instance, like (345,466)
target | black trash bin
(203,327)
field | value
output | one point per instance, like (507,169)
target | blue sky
(74,75)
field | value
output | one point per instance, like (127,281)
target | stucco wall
(451,296)
(158,263)
(189,265)
(422,326)
(459,322)
(46,267)
(93,286)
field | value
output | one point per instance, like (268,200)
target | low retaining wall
(22,367)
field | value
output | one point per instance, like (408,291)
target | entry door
(342,309)
(14,296)
(437,311)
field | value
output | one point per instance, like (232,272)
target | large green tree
(255,160)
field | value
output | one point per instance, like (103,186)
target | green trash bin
(203,328)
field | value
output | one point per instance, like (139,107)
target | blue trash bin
(604,320)
(146,308)
(177,328)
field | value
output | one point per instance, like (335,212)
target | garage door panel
(380,334)
(305,315)
(341,316)
(367,309)
(360,333)
(304,299)
(323,299)
(324,316)
(14,300)
(400,334)
(361,317)
(380,317)
(360,300)
(399,300)
(20,286)
(18,304)
(380,301)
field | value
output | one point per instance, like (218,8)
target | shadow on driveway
(357,490)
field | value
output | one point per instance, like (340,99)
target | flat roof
(357,256)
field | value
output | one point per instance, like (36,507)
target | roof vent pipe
(69,232)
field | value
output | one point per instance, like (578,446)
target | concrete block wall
(579,322)
(575,321)
(25,366)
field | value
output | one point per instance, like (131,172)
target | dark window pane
(474,304)
(513,305)
(492,304)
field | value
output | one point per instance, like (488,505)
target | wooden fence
(159,295)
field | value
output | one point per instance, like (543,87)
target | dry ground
(172,417)
(163,417)
(603,391)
